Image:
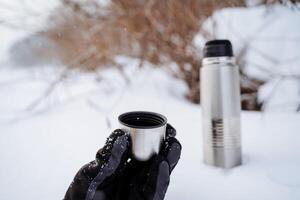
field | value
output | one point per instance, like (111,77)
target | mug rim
(154,114)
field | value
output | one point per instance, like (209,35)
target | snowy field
(41,152)
(44,143)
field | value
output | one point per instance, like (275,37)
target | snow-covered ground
(41,151)
(43,143)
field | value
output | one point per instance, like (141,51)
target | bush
(158,31)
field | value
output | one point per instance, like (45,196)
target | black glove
(115,176)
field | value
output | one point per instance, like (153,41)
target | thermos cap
(218,48)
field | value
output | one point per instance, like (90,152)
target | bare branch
(59,79)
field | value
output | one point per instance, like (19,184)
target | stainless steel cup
(221,107)
(147,131)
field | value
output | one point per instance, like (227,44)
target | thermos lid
(218,48)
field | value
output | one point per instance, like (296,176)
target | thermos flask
(147,132)
(220,101)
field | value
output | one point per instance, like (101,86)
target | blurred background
(69,67)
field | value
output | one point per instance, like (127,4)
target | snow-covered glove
(115,176)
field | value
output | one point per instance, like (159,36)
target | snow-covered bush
(89,35)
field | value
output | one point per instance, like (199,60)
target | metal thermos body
(147,131)
(220,101)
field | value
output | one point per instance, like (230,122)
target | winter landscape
(53,122)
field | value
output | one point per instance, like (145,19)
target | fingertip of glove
(171,142)
(121,143)
(172,151)
(117,133)
(170,131)
(117,138)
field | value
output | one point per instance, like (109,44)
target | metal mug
(147,131)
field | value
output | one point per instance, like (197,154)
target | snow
(43,146)
(41,151)
(273,39)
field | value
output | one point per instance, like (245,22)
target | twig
(121,71)
(266,101)
(108,110)
(48,91)
(60,78)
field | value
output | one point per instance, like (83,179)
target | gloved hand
(115,176)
